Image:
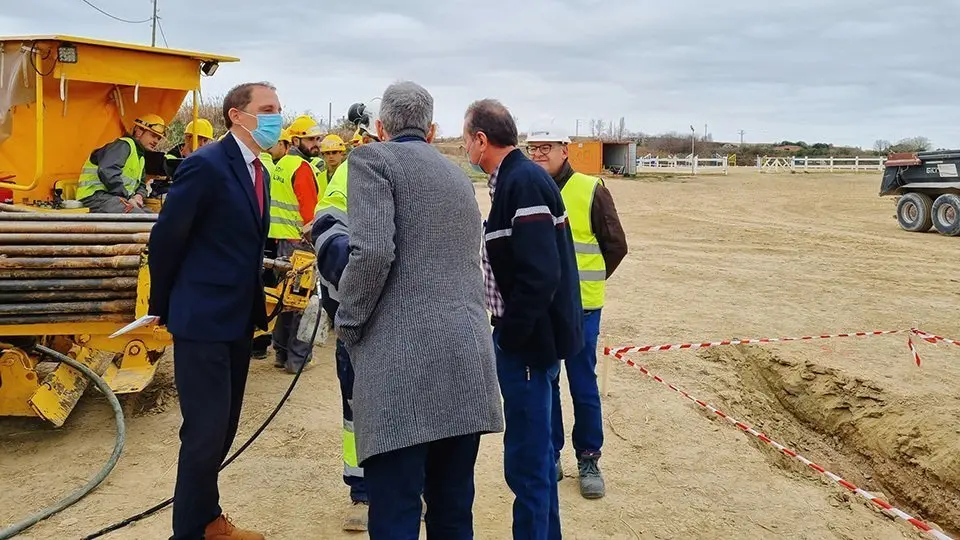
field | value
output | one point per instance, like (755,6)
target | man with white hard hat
(600,245)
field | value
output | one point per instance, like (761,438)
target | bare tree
(598,127)
(912,144)
(882,146)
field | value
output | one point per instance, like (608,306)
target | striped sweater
(530,249)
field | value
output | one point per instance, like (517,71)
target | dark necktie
(258,182)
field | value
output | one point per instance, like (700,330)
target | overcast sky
(841,71)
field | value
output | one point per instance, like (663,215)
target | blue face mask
(268,129)
(475,166)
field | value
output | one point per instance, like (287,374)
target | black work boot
(591,480)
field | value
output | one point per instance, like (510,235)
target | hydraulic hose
(160,506)
(80,493)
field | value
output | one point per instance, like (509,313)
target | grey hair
(406,106)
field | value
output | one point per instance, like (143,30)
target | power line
(162,35)
(114,17)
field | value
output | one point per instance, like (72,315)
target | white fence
(687,164)
(820,164)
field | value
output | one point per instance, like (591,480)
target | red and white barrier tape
(933,338)
(694,346)
(886,507)
(930,338)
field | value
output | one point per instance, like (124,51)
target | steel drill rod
(64,296)
(274,264)
(122,261)
(7,239)
(73,228)
(4,207)
(105,306)
(71,251)
(35,273)
(62,216)
(66,318)
(111,284)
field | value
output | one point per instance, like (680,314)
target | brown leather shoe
(223,529)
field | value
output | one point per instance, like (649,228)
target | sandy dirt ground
(712,257)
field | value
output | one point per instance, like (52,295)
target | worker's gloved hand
(127,205)
(306,234)
(137,200)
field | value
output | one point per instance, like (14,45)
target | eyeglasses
(539,148)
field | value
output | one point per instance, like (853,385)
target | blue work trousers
(352,472)
(582,376)
(442,471)
(529,467)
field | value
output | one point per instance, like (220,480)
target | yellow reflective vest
(267,161)
(89,181)
(285,220)
(335,194)
(577,196)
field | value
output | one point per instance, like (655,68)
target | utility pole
(741,137)
(153,37)
(704,133)
(578,128)
(693,143)
(330,118)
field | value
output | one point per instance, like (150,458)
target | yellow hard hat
(204,129)
(304,126)
(152,122)
(332,143)
(285,135)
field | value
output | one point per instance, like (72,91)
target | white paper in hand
(146,320)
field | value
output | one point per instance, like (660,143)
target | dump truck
(927,187)
(68,278)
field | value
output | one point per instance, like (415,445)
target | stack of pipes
(63,268)
(58,267)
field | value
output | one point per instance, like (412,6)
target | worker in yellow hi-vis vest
(331,238)
(295,186)
(113,179)
(600,245)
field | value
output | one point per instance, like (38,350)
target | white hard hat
(547,133)
(368,123)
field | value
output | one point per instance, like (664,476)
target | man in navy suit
(206,255)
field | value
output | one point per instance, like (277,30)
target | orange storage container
(586,156)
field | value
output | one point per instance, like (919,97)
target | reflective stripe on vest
(577,196)
(285,220)
(132,173)
(350,465)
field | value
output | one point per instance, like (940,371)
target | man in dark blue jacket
(533,294)
(206,256)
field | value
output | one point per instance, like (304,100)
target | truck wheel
(914,212)
(946,214)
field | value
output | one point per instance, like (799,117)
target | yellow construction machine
(68,278)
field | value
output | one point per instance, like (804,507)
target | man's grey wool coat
(412,310)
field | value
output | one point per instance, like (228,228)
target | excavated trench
(906,450)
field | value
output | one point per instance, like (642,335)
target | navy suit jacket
(206,249)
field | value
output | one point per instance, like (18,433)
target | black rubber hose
(160,506)
(25,524)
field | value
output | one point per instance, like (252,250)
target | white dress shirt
(248,157)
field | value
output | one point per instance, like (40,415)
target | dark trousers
(290,351)
(442,471)
(529,467)
(210,379)
(262,343)
(352,472)
(582,376)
